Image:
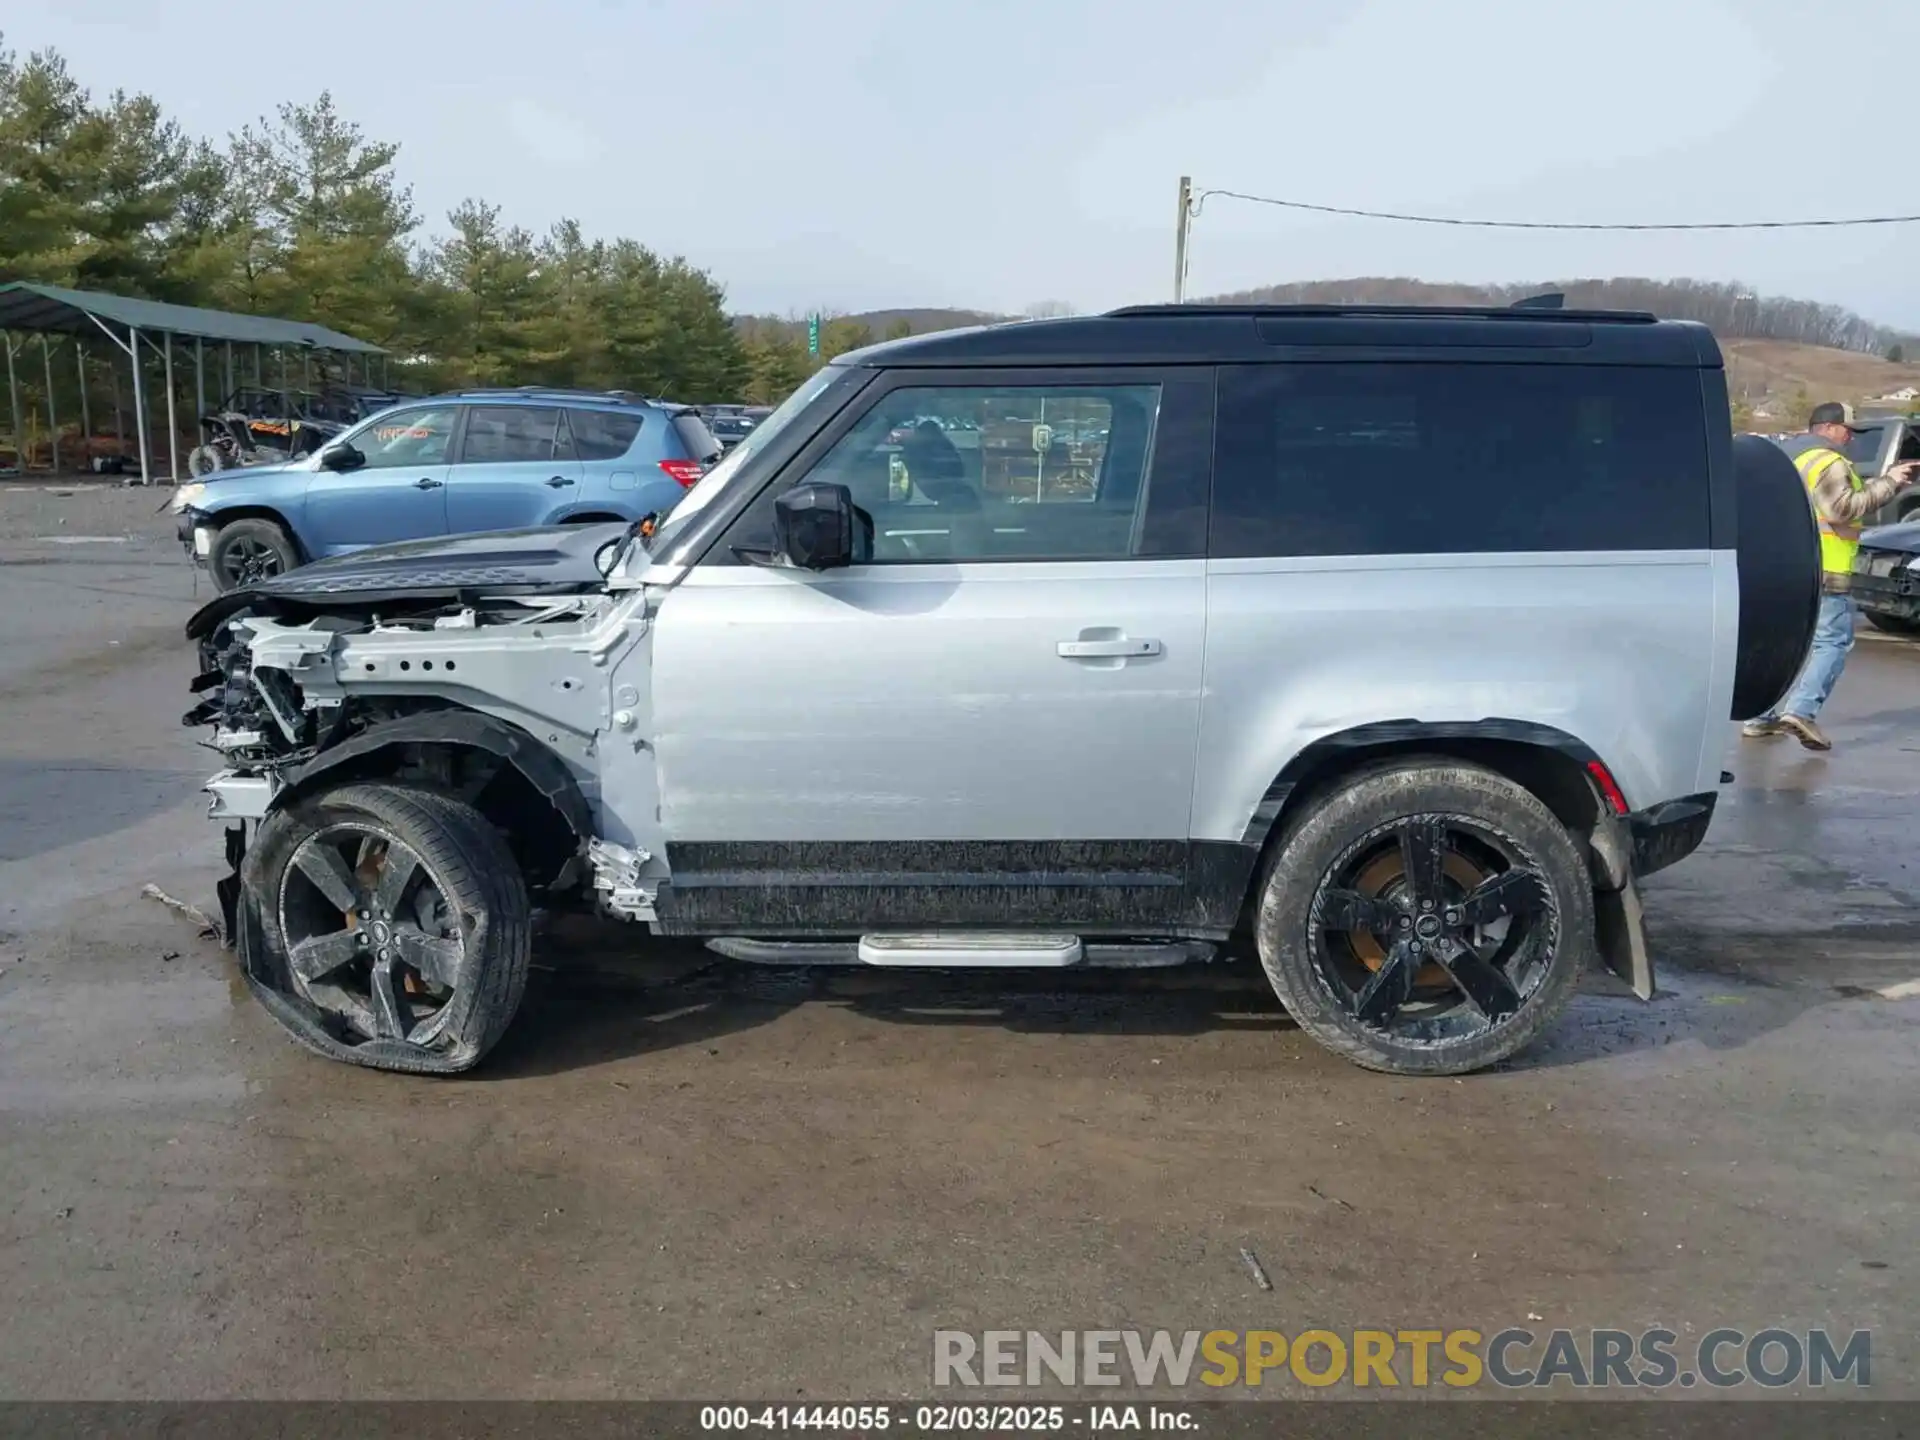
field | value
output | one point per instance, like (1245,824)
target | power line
(1202,197)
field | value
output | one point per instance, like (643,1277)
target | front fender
(466,728)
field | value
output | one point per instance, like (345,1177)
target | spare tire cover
(1779,559)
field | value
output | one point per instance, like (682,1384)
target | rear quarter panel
(1621,651)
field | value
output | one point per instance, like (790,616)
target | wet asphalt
(678,1179)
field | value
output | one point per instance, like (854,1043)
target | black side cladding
(1779,559)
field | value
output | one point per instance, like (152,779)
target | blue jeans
(1832,639)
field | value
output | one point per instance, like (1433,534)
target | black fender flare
(472,729)
(1404,734)
(1619,935)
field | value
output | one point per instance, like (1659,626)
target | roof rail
(570,392)
(1396,312)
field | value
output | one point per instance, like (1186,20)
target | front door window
(968,473)
(409,438)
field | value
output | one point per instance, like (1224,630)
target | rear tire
(428,978)
(247,551)
(1892,624)
(1403,988)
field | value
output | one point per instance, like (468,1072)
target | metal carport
(48,310)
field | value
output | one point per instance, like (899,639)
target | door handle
(424,484)
(1106,649)
(557,481)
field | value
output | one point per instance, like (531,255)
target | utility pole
(1180,239)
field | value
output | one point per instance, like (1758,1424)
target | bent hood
(552,560)
(1904,536)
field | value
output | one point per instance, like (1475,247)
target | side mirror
(342,457)
(818,527)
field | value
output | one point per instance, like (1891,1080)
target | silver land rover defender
(1389,646)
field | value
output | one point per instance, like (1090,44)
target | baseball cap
(1833,412)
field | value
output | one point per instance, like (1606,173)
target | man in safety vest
(1841,501)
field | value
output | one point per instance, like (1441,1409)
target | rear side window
(1432,459)
(603,434)
(694,434)
(502,434)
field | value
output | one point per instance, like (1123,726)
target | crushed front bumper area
(194,530)
(235,796)
(1895,591)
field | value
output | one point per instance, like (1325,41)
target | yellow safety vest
(1839,542)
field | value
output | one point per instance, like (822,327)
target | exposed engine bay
(496,692)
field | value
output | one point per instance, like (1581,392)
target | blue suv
(476,460)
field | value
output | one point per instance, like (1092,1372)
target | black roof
(1224,334)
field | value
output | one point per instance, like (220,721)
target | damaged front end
(263,728)
(477,667)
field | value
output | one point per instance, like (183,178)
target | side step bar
(987,950)
(967,950)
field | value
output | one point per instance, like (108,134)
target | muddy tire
(388,926)
(1426,917)
(246,551)
(1892,624)
(204,460)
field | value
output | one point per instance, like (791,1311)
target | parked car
(1886,576)
(1308,673)
(478,460)
(729,428)
(1881,442)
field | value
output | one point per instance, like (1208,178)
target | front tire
(204,460)
(1429,917)
(393,927)
(245,552)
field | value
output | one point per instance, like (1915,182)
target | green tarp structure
(49,310)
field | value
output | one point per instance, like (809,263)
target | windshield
(716,480)
(1864,450)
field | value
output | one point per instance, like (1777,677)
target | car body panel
(350,510)
(1614,650)
(933,697)
(1886,572)
(511,495)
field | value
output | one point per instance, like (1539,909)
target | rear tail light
(686,472)
(1609,787)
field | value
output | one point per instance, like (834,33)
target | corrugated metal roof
(25,305)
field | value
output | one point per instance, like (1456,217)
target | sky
(856,154)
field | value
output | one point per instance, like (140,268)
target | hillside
(1731,310)
(1775,381)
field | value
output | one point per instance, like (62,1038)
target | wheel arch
(1563,771)
(254,510)
(529,794)
(1559,769)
